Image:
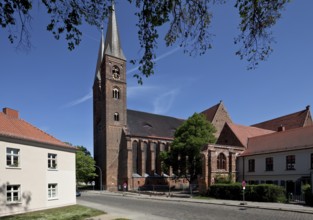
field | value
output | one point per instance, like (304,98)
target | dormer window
(116,72)
(116,93)
(116,116)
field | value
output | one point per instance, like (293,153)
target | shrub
(265,193)
(308,196)
(260,193)
(226,191)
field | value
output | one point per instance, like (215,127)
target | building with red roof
(37,170)
(283,158)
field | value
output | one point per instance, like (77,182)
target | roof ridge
(155,114)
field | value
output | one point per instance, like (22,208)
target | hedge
(308,196)
(259,193)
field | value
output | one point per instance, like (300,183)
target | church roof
(151,125)
(112,44)
(241,133)
(293,139)
(211,112)
(12,126)
(294,120)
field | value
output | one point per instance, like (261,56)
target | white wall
(302,166)
(34,176)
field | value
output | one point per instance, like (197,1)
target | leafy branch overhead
(188,21)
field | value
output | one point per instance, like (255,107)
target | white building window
(52,191)
(13,193)
(13,157)
(52,161)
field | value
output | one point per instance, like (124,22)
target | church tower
(109,105)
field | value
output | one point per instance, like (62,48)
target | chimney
(11,112)
(281,128)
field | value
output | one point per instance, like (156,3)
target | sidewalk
(260,205)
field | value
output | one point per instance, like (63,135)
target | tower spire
(100,57)
(112,44)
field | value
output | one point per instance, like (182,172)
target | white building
(283,158)
(37,171)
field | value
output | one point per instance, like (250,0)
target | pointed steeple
(112,44)
(100,58)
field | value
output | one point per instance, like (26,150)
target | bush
(226,191)
(265,193)
(308,196)
(259,193)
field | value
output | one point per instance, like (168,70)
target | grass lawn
(74,212)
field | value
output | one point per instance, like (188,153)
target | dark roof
(151,125)
(293,139)
(13,127)
(294,120)
(211,112)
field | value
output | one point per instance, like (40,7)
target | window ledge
(14,203)
(14,168)
(52,169)
(51,199)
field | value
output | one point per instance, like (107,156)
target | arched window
(156,156)
(116,93)
(116,72)
(116,116)
(221,162)
(135,157)
(146,158)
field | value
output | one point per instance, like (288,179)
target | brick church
(127,143)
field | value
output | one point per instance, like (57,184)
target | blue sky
(51,86)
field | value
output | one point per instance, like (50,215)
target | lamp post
(100,176)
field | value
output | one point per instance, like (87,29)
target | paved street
(157,208)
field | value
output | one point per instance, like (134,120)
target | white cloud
(163,103)
(79,101)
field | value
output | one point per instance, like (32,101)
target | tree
(188,21)
(184,155)
(85,165)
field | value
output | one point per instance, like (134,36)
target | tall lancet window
(116,72)
(116,116)
(221,162)
(116,93)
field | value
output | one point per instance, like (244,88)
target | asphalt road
(140,208)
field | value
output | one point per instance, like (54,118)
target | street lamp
(100,177)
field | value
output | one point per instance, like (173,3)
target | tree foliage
(184,155)
(85,165)
(188,21)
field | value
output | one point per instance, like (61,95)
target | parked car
(78,193)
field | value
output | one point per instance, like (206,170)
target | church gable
(228,137)
(218,116)
(237,135)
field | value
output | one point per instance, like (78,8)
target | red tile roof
(294,120)
(244,132)
(13,127)
(293,139)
